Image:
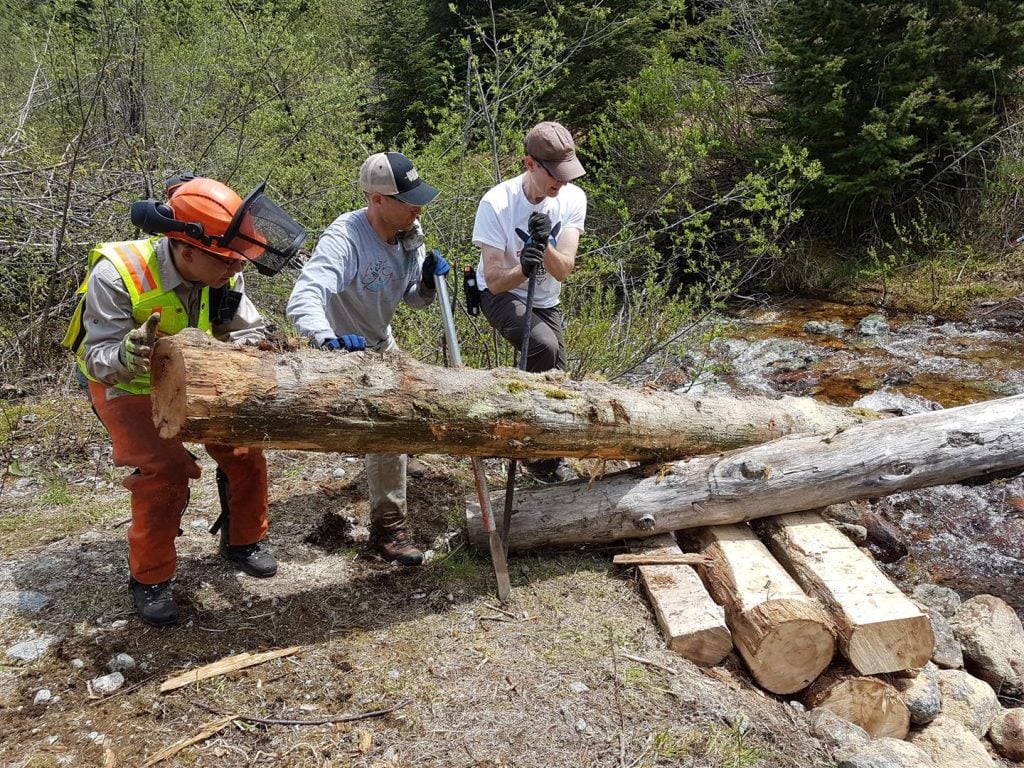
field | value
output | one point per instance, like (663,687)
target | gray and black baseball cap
(393,174)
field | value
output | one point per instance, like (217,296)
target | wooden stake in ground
(204,391)
(223,666)
(871,703)
(791,474)
(693,625)
(783,636)
(879,628)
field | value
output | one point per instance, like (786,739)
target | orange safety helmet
(212,205)
(210,215)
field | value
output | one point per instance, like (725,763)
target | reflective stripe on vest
(137,264)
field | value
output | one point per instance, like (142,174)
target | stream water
(968,536)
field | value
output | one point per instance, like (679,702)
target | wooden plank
(692,623)
(879,628)
(784,637)
(223,666)
(659,558)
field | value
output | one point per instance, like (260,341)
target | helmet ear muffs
(157,218)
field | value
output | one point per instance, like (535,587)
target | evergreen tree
(890,96)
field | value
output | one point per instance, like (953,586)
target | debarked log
(208,391)
(870,702)
(792,474)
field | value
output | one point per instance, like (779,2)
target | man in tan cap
(532,225)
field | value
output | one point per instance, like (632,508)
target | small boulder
(992,639)
(834,731)
(943,599)
(951,745)
(885,753)
(968,700)
(921,695)
(1007,734)
(947,653)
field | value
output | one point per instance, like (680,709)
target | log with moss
(204,390)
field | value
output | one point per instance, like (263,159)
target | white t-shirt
(502,220)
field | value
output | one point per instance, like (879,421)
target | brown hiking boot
(550,470)
(396,547)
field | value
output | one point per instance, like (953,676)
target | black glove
(434,264)
(540,228)
(531,258)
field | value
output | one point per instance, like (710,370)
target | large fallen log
(784,636)
(204,390)
(880,629)
(792,474)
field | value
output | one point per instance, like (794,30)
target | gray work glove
(137,346)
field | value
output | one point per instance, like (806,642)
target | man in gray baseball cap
(365,264)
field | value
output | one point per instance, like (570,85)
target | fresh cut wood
(783,636)
(873,704)
(791,474)
(879,628)
(204,390)
(692,623)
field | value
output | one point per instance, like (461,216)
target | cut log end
(785,643)
(892,646)
(169,388)
(872,704)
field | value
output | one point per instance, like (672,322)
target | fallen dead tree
(792,474)
(204,390)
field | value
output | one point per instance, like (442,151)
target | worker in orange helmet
(188,275)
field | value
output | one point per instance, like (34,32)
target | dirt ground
(543,681)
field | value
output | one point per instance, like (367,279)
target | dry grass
(539,682)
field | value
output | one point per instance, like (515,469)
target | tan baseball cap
(552,145)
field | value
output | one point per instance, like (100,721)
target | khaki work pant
(160,484)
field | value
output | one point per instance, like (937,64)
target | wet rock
(992,640)
(1007,734)
(824,328)
(951,745)
(836,732)
(24,601)
(885,753)
(893,402)
(107,683)
(947,653)
(30,650)
(943,599)
(873,325)
(921,695)
(968,700)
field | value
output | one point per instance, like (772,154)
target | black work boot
(396,547)
(550,470)
(154,602)
(254,559)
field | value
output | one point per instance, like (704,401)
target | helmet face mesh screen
(263,233)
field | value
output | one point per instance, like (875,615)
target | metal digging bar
(479,475)
(524,349)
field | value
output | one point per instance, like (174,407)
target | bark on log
(871,703)
(205,391)
(879,628)
(784,637)
(693,625)
(792,474)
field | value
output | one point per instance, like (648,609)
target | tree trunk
(784,637)
(869,702)
(792,474)
(879,628)
(206,391)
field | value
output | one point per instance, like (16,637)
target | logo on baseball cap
(393,174)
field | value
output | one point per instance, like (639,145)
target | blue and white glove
(434,264)
(348,342)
